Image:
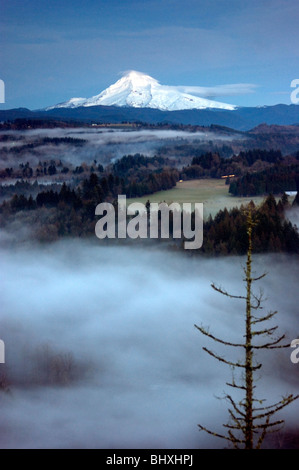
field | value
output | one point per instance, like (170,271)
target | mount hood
(138,90)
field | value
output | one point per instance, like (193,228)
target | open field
(213,193)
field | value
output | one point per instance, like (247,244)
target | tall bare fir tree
(250,421)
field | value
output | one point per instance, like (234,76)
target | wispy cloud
(232,89)
(218,90)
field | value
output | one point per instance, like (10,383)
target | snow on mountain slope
(72,103)
(138,90)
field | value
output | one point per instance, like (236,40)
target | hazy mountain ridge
(242,119)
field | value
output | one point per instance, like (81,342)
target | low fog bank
(101,349)
(110,136)
(103,145)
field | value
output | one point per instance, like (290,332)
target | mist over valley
(102,352)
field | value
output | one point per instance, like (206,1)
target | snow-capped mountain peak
(133,89)
(138,90)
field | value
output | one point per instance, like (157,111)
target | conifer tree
(250,420)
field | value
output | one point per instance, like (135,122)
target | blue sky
(54,50)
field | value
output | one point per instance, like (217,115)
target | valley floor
(213,193)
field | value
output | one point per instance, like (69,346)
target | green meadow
(213,193)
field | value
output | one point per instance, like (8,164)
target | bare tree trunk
(248,348)
(249,424)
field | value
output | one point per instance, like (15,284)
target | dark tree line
(72,212)
(95,190)
(142,175)
(23,123)
(129,163)
(276,180)
(251,156)
(19,149)
(227,232)
(212,165)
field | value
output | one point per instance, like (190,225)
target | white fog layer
(101,144)
(120,320)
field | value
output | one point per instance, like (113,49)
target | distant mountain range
(242,119)
(137,97)
(138,90)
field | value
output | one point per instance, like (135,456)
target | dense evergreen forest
(70,212)
(65,204)
(227,232)
(251,173)
(276,180)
